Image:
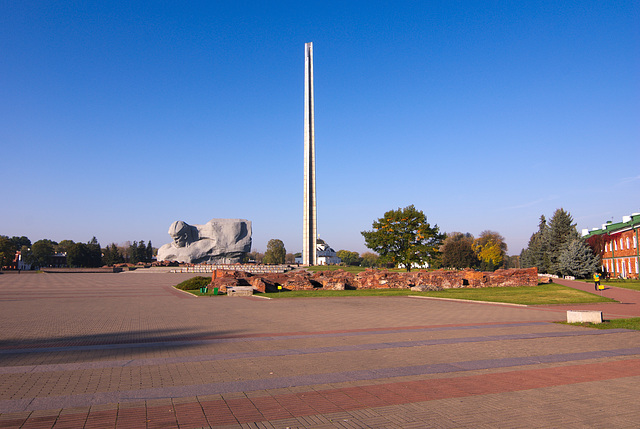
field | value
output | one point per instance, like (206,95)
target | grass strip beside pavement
(631,323)
(543,294)
(623,283)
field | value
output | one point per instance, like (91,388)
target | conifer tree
(562,231)
(578,260)
(536,254)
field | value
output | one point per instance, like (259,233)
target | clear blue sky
(119,117)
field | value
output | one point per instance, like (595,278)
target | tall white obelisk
(309,234)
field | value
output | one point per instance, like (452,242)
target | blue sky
(117,118)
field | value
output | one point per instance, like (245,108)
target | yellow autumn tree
(490,249)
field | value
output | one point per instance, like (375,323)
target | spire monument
(310,233)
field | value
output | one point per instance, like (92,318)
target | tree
(490,249)
(8,251)
(512,261)
(78,255)
(111,255)
(142,251)
(349,258)
(21,241)
(562,231)
(578,260)
(369,259)
(275,253)
(404,237)
(255,256)
(457,251)
(94,254)
(41,253)
(537,252)
(64,246)
(133,254)
(289,258)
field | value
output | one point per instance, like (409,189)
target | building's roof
(628,222)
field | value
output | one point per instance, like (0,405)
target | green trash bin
(203,289)
(215,290)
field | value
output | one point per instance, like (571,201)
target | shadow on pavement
(103,345)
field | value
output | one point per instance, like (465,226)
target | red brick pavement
(266,408)
(311,404)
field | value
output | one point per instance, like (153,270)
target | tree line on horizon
(41,253)
(401,238)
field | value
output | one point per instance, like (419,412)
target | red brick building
(617,244)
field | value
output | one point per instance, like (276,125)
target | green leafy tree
(275,253)
(8,251)
(41,253)
(490,248)
(457,251)
(404,237)
(369,259)
(149,252)
(578,260)
(64,246)
(349,258)
(21,241)
(78,255)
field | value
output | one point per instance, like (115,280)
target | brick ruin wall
(375,279)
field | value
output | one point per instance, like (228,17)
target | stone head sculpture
(182,233)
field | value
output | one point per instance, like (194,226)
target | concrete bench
(584,316)
(240,291)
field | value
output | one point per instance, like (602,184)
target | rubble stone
(375,279)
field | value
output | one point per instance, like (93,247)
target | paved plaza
(127,350)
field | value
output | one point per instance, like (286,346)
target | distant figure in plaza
(596,279)
(222,241)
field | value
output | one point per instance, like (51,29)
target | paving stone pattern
(127,350)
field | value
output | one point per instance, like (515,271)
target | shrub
(194,283)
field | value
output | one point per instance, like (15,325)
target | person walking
(596,279)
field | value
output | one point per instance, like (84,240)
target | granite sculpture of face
(181,233)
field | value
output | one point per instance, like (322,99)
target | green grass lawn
(526,295)
(624,283)
(631,323)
